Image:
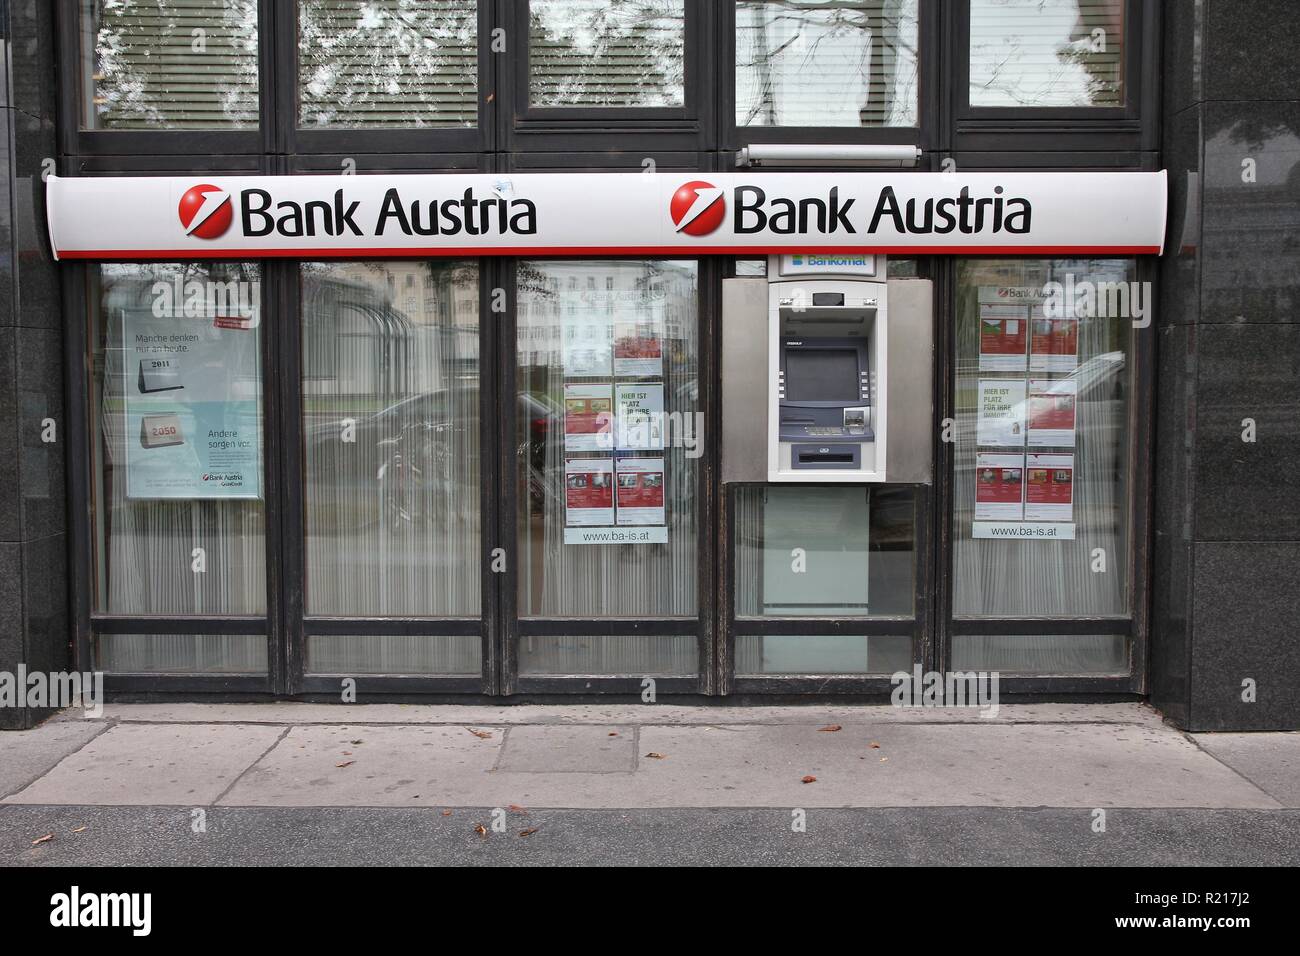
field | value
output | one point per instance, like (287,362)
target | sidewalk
(1028,781)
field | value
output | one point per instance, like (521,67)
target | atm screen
(822,375)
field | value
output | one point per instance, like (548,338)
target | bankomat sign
(603,214)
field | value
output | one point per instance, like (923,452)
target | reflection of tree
(607,52)
(881,34)
(165,63)
(390,62)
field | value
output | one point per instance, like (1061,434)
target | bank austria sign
(205,216)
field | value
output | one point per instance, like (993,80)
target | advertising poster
(640,417)
(1053,343)
(1004,333)
(191,406)
(1049,488)
(1051,412)
(638,349)
(1001,413)
(588,492)
(588,345)
(640,483)
(588,417)
(999,487)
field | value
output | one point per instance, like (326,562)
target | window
(609,430)
(1042,487)
(390,442)
(810,63)
(607,53)
(169,64)
(387,63)
(1047,53)
(178,521)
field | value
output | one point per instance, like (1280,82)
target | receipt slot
(827,373)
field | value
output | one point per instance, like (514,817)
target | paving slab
(660,713)
(595,748)
(1271,760)
(1095,765)
(27,754)
(370,765)
(137,765)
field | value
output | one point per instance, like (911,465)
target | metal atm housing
(827,373)
(827,411)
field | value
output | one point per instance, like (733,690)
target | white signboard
(810,214)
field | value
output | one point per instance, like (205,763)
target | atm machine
(827,389)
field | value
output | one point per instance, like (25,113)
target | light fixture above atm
(790,154)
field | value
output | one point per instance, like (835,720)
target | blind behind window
(584,53)
(388,63)
(1057,53)
(169,64)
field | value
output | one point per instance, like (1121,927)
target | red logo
(698,208)
(206,211)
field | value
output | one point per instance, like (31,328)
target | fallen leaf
(480,734)
(883,759)
(45,839)
(346,763)
(529,832)
(480,829)
(874,745)
(612,734)
(354,742)
(516,808)
(446,813)
(830,729)
(654,756)
(809,779)
(347,753)
(79,830)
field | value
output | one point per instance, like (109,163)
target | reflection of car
(414,462)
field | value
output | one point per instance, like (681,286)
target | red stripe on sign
(406,252)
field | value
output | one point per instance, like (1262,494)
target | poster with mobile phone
(640,491)
(1053,343)
(1052,405)
(639,413)
(588,492)
(588,417)
(1049,488)
(999,487)
(191,402)
(1004,334)
(1000,422)
(638,349)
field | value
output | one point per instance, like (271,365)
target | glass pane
(812,63)
(824,551)
(1041,482)
(394,63)
(609,438)
(1041,653)
(584,53)
(181,653)
(447,655)
(169,64)
(758,654)
(1047,53)
(391,438)
(659,655)
(176,395)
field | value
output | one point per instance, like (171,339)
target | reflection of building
(388,329)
